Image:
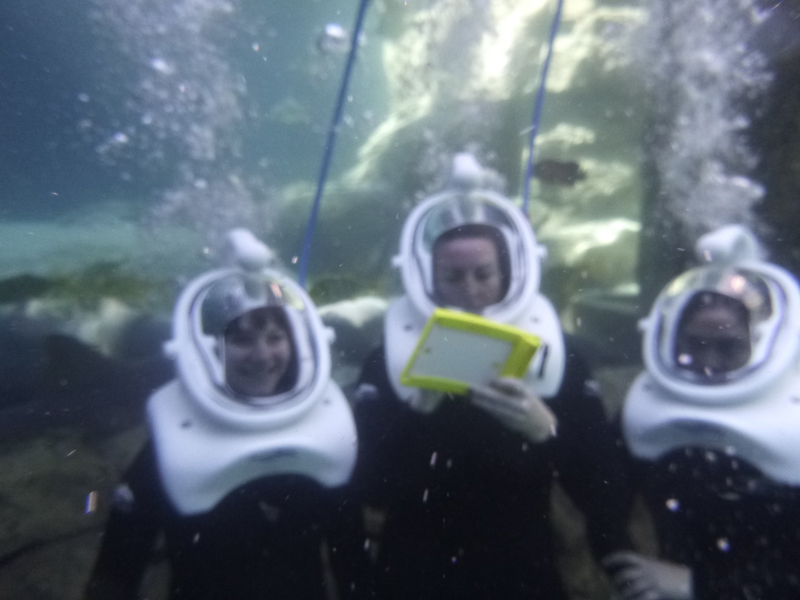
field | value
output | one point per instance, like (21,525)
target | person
(711,426)
(456,490)
(250,447)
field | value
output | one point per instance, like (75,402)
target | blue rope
(333,130)
(537,107)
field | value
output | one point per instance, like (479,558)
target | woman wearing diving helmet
(250,446)
(457,489)
(712,426)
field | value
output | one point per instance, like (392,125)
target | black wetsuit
(263,540)
(467,501)
(736,529)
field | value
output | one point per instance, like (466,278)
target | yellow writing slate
(458,349)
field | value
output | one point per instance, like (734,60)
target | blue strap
(537,107)
(333,130)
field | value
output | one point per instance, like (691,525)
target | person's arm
(589,459)
(133,525)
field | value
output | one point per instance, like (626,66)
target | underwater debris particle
(433,459)
(333,39)
(162,66)
(425,496)
(91,503)
(673,505)
(723,544)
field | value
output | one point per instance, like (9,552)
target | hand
(637,577)
(516,406)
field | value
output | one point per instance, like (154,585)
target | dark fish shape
(558,172)
(61,382)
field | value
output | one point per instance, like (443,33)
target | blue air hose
(333,130)
(537,107)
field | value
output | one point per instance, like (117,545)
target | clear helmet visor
(253,337)
(469,253)
(717,324)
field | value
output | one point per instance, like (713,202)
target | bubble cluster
(182,110)
(213,207)
(705,76)
(182,98)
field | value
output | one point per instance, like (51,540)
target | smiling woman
(259,353)
(250,448)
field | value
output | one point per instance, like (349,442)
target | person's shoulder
(140,486)
(373,383)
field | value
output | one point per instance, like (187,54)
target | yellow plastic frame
(524,346)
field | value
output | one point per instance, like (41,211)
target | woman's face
(467,273)
(257,355)
(713,340)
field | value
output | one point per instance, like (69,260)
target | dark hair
(481,230)
(260,318)
(703,300)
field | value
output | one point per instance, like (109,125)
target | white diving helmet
(464,204)
(763,298)
(210,435)
(213,301)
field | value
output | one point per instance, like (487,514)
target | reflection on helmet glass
(259,353)
(717,324)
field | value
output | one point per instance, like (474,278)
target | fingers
(631,577)
(523,412)
(634,584)
(499,407)
(512,386)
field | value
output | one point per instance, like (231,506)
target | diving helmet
(727,329)
(210,308)
(465,205)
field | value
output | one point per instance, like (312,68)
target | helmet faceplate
(450,210)
(771,299)
(204,309)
